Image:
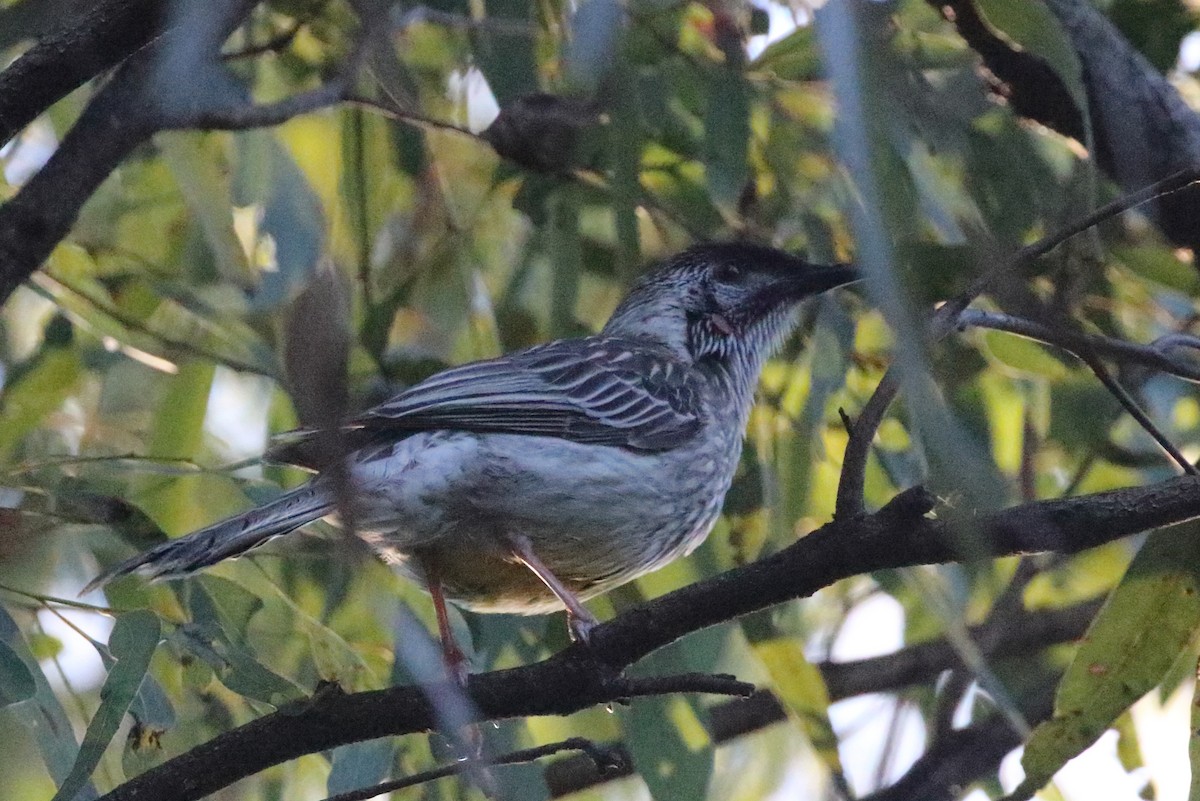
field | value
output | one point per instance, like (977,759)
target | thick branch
(1142,129)
(899,535)
(1022,634)
(953,763)
(42,212)
(101,37)
(143,98)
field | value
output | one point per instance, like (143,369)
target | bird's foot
(580,625)
(458,669)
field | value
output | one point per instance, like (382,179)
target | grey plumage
(603,457)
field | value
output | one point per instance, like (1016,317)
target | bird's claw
(580,627)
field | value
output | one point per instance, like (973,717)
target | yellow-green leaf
(1148,621)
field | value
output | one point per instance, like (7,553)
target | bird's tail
(228,538)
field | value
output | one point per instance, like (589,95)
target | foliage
(212,279)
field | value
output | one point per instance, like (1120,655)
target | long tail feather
(226,539)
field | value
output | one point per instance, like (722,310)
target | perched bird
(527,483)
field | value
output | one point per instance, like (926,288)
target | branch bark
(102,36)
(1021,634)
(1142,129)
(144,97)
(899,535)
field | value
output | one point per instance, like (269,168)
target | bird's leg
(453,657)
(580,621)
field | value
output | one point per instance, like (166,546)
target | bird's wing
(602,391)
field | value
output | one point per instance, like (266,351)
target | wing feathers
(602,390)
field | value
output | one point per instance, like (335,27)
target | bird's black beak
(814,280)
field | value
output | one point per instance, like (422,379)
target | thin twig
(1086,348)
(948,313)
(45,283)
(275,44)
(184,465)
(599,755)
(243,116)
(392,112)
(858,446)
(854,464)
(1135,411)
(1156,355)
(47,600)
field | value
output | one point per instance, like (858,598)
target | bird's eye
(728,273)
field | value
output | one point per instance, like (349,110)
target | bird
(531,482)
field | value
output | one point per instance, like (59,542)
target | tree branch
(1021,634)
(1083,348)
(945,319)
(1157,355)
(601,758)
(126,113)
(143,98)
(101,37)
(1135,411)
(899,535)
(954,762)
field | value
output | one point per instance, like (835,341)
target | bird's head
(729,302)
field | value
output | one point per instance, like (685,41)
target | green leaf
(670,749)
(1032,26)
(591,53)
(235,665)
(42,714)
(566,261)
(179,425)
(727,136)
(1161,266)
(292,228)
(133,640)
(1150,619)
(799,685)
(198,164)
(36,389)
(505,55)
(360,765)
(795,57)
(1194,749)
(1023,357)
(16,681)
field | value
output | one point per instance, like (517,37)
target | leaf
(360,765)
(37,388)
(196,161)
(210,639)
(42,714)
(16,681)
(670,747)
(1150,619)
(334,658)
(565,261)
(1032,26)
(799,685)
(591,53)
(727,136)
(667,751)
(795,57)
(290,236)
(506,57)
(132,642)
(1194,746)
(179,425)
(1023,357)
